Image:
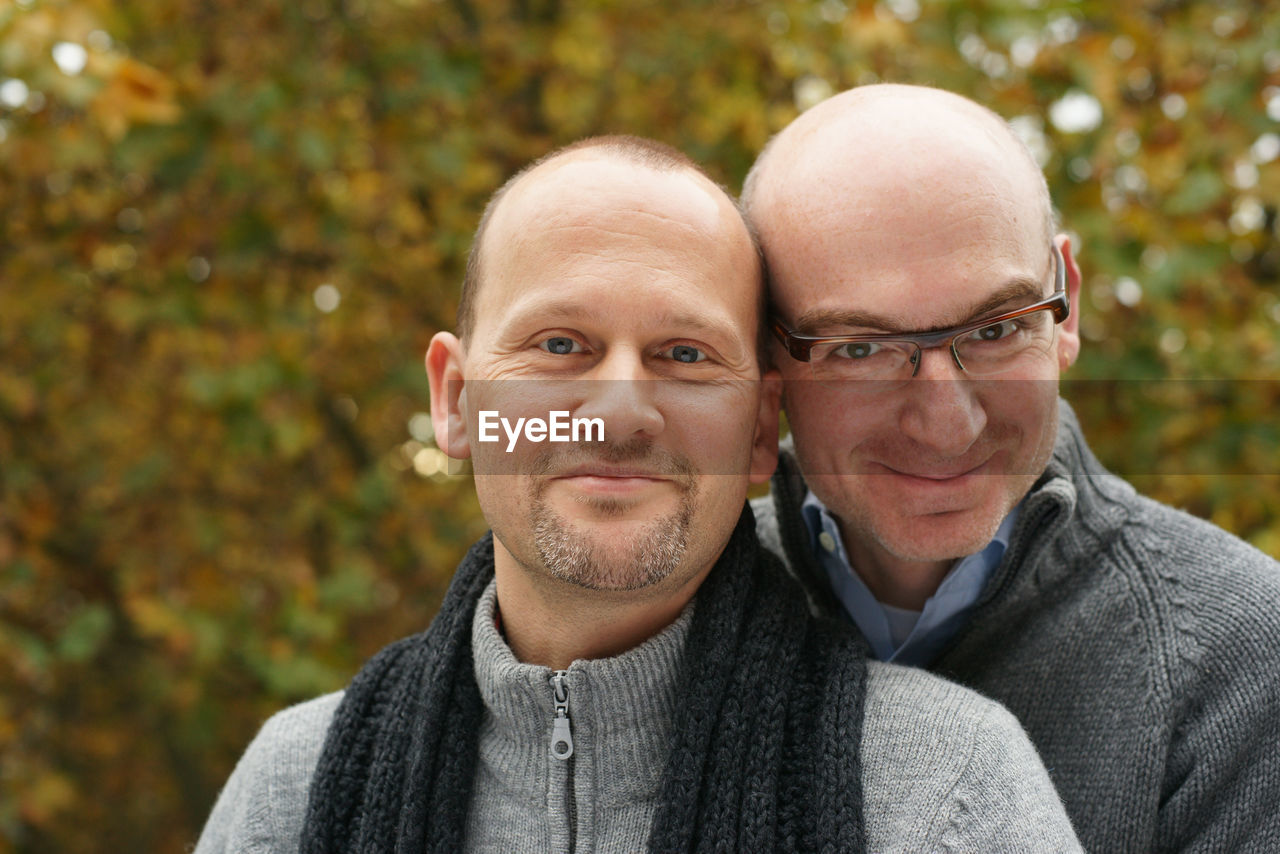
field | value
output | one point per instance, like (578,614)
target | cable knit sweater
(1138,645)
(943,769)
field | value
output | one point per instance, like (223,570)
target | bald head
(863,151)
(534,190)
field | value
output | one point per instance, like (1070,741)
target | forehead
(582,232)
(589,189)
(907,223)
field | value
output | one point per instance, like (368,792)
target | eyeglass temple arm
(799,349)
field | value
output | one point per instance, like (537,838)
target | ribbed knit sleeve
(263,803)
(947,770)
(1222,653)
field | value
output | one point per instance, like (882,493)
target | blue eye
(561,345)
(685,353)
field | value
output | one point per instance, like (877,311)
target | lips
(938,475)
(610,482)
(605,470)
(611,479)
(617,468)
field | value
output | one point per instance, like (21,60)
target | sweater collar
(621,709)
(1075,487)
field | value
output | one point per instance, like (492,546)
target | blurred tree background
(228,230)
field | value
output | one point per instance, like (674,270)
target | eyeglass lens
(985,351)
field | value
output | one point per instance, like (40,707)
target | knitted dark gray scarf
(764,755)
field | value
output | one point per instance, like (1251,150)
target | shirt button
(828,542)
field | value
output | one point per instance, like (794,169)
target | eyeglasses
(981,348)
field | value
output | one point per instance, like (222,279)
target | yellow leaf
(135,94)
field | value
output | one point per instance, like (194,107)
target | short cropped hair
(648,153)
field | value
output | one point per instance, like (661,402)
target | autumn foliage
(228,230)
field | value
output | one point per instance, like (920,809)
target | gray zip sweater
(944,769)
(1138,645)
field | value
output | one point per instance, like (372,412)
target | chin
(616,557)
(934,550)
(939,537)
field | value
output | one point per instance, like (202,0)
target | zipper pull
(561,736)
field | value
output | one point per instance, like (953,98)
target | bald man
(941,497)
(619,666)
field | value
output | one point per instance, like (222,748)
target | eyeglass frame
(800,346)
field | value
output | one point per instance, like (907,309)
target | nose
(941,410)
(624,395)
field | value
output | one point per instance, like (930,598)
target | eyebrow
(554,309)
(1020,288)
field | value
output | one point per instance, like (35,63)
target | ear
(445,357)
(764,449)
(1069,332)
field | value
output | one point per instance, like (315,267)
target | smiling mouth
(611,472)
(934,476)
(617,470)
(611,480)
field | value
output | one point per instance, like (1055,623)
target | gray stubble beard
(655,554)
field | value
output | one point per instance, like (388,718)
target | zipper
(562,748)
(561,734)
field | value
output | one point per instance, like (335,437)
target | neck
(550,623)
(893,580)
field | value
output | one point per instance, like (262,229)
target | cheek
(822,419)
(1027,397)
(713,425)
(1027,410)
(501,501)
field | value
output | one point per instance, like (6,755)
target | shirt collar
(943,614)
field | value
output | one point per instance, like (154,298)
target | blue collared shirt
(907,637)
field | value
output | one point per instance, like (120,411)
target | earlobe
(1069,333)
(764,449)
(445,357)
